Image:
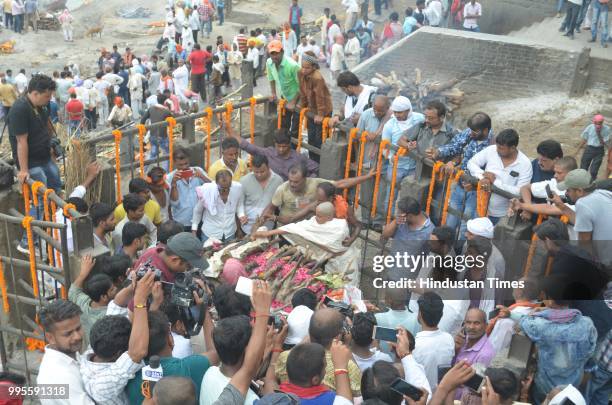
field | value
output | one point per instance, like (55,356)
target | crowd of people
(121,324)
(587,15)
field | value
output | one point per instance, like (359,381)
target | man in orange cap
(121,114)
(284,83)
(596,137)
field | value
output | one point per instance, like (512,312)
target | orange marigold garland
(117,134)
(303,112)
(532,248)
(399,153)
(451,180)
(209,117)
(27,224)
(362,141)
(142,130)
(35,186)
(432,184)
(347,165)
(381,149)
(324,129)
(253,103)
(5,301)
(281,112)
(482,200)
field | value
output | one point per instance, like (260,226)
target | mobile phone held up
(493,313)
(385,334)
(244,286)
(405,388)
(185,174)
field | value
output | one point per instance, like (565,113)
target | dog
(93,31)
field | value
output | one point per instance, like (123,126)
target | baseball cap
(188,247)
(275,46)
(578,178)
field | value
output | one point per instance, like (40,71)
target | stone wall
(504,16)
(489,67)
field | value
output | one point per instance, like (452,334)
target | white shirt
(433,349)
(214,383)
(434,12)
(21,82)
(151,231)
(354,48)
(488,160)
(337,57)
(102,86)
(182,346)
(470,9)
(78,192)
(414,374)
(218,217)
(181,79)
(365,363)
(106,382)
(194,21)
(59,368)
(253,55)
(351,6)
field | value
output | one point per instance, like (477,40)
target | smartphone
(327,301)
(185,174)
(405,388)
(244,286)
(385,334)
(475,383)
(442,370)
(549,192)
(494,313)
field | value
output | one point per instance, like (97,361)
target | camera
(344,309)
(276,320)
(183,288)
(145,267)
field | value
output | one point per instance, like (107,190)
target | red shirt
(197,60)
(74,108)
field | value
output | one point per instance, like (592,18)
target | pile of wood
(420,91)
(48,22)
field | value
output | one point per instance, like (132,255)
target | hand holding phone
(244,286)
(494,313)
(405,388)
(386,334)
(549,192)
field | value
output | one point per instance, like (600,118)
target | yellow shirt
(152,210)
(290,203)
(241,170)
(8,94)
(8,6)
(330,379)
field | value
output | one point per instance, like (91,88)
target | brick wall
(489,66)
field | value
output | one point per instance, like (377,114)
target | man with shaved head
(326,324)
(472,343)
(174,390)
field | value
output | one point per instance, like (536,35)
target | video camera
(184,287)
(145,267)
(343,308)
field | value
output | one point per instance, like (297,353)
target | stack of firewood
(420,91)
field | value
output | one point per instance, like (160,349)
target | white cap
(298,321)
(481,227)
(401,103)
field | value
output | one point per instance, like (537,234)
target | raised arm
(353,181)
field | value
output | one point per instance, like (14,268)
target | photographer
(30,134)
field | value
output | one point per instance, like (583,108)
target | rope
(209,117)
(26,197)
(281,112)
(117,134)
(360,166)
(142,130)
(532,248)
(5,302)
(171,123)
(451,180)
(349,152)
(432,184)
(399,153)
(381,149)
(253,101)
(482,201)
(324,129)
(27,224)
(35,186)
(301,128)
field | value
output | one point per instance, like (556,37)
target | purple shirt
(280,165)
(482,352)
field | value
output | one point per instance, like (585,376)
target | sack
(7,177)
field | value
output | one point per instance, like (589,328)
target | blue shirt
(591,137)
(563,347)
(409,24)
(182,209)
(539,174)
(393,132)
(463,143)
(296,13)
(412,241)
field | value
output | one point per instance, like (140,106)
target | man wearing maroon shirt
(197,60)
(74,111)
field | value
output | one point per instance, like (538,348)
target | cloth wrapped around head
(233,269)
(400,104)
(482,227)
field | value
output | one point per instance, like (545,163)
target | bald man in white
(323,234)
